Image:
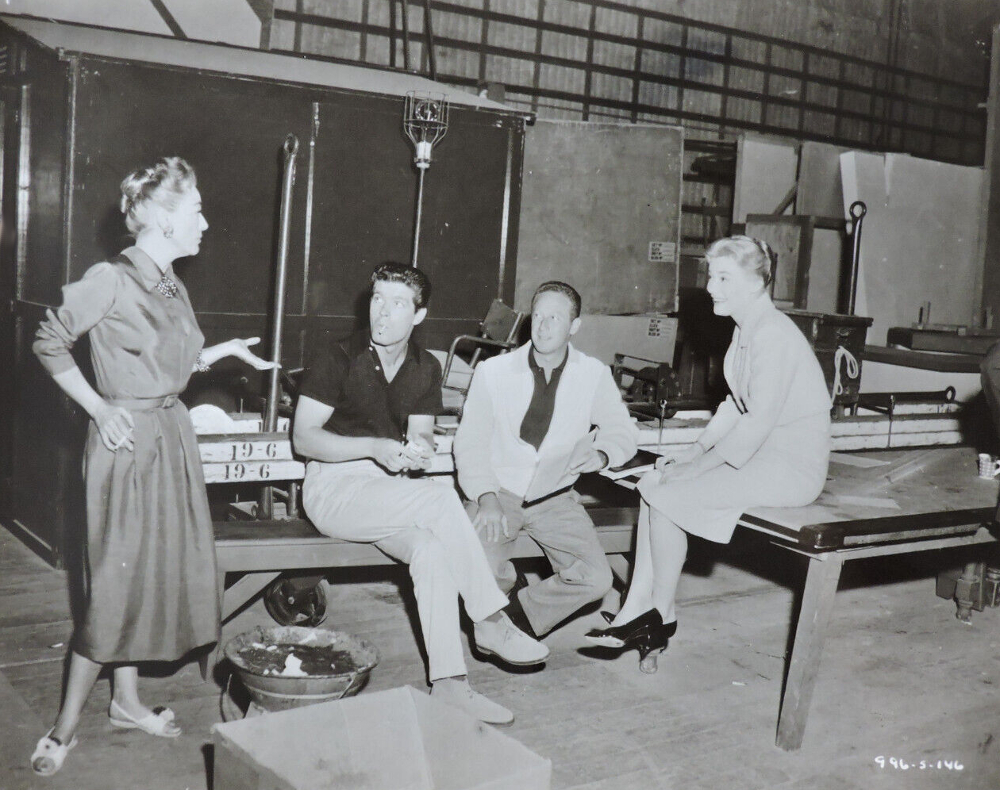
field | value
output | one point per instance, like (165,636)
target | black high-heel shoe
(619,635)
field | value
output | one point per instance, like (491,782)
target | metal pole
(416,228)
(406,34)
(857,211)
(429,29)
(291,150)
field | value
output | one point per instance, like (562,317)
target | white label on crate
(276,447)
(662,251)
(658,327)
(253,471)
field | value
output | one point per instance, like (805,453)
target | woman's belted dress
(150,564)
(772,431)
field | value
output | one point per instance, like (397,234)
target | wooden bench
(262,550)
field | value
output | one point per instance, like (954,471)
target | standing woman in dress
(768,445)
(150,554)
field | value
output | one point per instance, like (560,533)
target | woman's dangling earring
(168,232)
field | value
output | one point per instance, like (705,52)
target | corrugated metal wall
(903,75)
(886,75)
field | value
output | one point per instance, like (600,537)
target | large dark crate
(81,106)
(827,332)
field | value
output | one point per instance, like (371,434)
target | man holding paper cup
(365,418)
(534,421)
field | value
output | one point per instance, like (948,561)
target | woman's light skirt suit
(773,432)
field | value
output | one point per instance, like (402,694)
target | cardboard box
(400,739)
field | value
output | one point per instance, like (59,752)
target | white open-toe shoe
(160,722)
(50,753)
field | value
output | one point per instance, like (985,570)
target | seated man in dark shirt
(351,421)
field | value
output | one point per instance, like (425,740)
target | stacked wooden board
(247,454)
(911,425)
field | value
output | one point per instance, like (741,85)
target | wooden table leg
(969,590)
(246,588)
(810,632)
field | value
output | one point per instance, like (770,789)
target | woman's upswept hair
(748,252)
(163,183)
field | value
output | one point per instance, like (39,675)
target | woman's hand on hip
(240,348)
(115,425)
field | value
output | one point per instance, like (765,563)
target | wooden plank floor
(901,677)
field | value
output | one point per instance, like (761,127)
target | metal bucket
(274,692)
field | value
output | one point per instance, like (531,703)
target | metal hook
(291,146)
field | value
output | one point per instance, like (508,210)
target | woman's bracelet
(200,364)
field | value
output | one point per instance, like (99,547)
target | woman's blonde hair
(748,252)
(163,183)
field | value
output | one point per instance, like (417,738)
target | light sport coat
(489,451)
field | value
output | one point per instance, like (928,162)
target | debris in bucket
(296,660)
(293,667)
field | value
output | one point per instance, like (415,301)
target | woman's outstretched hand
(115,425)
(240,349)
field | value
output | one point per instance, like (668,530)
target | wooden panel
(919,239)
(820,192)
(765,172)
(791,239)
(231,132)
(826,267)
(594,197)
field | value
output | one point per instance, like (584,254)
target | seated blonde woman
(767,445)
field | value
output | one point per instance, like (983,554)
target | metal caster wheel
(289,605)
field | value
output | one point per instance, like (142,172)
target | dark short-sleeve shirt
(348,377)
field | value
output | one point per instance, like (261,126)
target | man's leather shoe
(503,639)
(459,694)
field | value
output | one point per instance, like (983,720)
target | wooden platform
(890,503)
(900,677)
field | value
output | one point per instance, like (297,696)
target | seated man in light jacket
(534,421)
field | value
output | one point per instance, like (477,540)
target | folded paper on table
(641,462)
